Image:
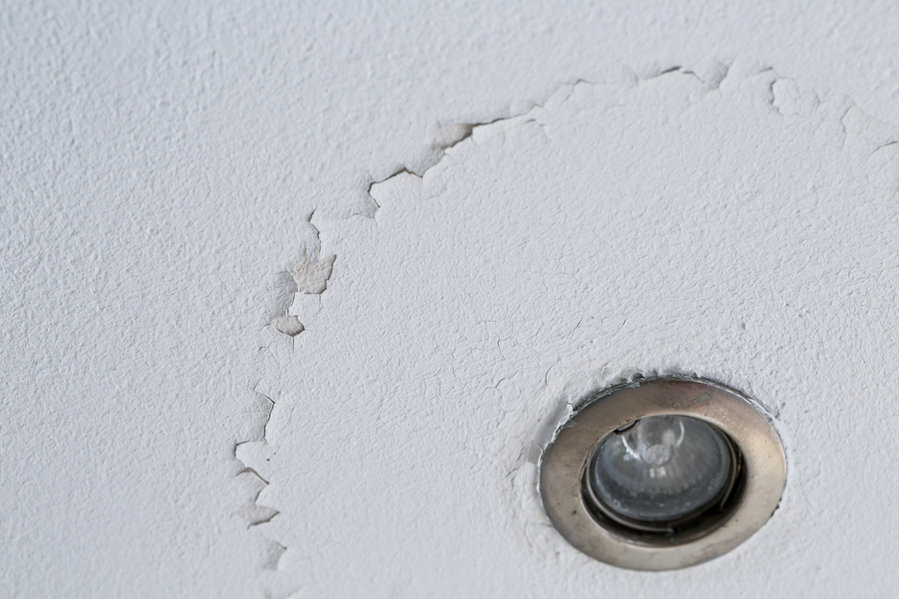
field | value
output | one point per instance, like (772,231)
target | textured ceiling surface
(291,291)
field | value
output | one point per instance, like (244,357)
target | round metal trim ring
(752,503)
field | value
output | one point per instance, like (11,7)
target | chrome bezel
(747,507)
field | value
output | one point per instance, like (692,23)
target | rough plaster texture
(168,431)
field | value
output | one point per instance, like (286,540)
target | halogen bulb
(654,440)
(661,469)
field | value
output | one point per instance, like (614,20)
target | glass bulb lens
(661,468)
(654,440)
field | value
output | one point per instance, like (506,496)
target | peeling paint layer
(632,251)
(312,274)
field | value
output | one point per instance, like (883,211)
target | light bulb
(661,469)
(654,440)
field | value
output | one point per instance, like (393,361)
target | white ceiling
(736,217)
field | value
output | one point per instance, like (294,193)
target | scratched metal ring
(749,498)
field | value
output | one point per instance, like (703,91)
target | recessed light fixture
(662,473)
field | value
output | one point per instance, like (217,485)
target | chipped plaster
(577,126)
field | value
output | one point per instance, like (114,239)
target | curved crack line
(312,272)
